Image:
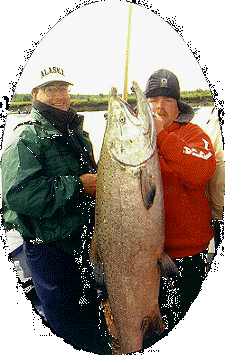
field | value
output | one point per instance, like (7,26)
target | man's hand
(159,123)
(89,183)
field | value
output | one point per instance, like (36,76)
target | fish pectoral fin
(167,267)
(148,188)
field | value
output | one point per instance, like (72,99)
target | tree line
(26,99)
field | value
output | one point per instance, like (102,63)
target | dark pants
(68,296)
(175,302)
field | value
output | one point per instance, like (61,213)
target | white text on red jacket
(198,153)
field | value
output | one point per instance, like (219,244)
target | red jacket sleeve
(187,151)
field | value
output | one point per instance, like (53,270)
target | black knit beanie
(163,83)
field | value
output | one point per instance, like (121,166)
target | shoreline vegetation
(21,103)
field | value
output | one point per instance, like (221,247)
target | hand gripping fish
(128,239)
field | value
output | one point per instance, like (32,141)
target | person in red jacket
(187,163)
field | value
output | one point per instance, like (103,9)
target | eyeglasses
(51,90)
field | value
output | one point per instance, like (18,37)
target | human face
(165,107)
(55,95)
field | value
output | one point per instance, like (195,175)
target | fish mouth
(130,130)
(144,111)
(122,102)
(134,114)
(139,113)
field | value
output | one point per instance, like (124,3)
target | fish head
(130,135)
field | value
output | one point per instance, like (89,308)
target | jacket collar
(47,127)
(186,112)
(61,120)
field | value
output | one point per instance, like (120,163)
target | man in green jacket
(48,184)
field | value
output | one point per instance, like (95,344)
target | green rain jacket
(43,195)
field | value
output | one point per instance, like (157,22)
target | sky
(90,45)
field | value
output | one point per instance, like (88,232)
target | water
(94,124)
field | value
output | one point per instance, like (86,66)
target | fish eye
(122,119)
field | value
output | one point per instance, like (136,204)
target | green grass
(196,94)
(26,99)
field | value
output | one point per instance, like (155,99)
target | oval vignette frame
(18,318)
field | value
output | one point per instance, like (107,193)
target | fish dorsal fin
(168,267)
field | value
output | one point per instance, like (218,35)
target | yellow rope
(127,52)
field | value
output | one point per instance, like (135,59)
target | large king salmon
(129,221)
